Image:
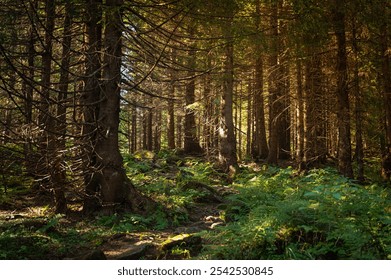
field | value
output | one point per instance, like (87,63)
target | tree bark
(274,89)
(343,114)
(29,89)
(90,100)
(300,117)
(61,118)
(227,154)
(386,77)
(259,145)
(359,152)
(116,190)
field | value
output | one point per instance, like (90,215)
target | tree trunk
(227,155)
(61,126)
(359,153)
(171,125)
(191,142)
(150,130)
(260,148)
(386,76)
(179,132)
(259,145)
(134,131)
(29,89)
(116,190)
(284,145)
(157,132)
(274,88)
(249,133)
(90,100)
(315,150)
(344,146)
(300,118)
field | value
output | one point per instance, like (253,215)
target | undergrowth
(321,215)
(272,214)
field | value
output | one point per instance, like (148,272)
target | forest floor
(265,213)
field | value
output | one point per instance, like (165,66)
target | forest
(191,129)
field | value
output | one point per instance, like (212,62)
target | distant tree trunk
(315,146)
(359,153)
(45,118)
(171,107)
(300,117)
(284,144)
(157,131)
(150,130)
(249,133)
(145,131)
(274,89)
(344,146)
(227,155)
(134,131)
(61,126)
(239,122)
(29,89)
(171,125)
(209,110)
(191,142)
(179,134)
(259,146)
(386,77)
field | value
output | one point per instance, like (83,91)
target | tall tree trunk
(90,100)
(359,153)
(386,77)
(29,89)
(49,167)
(116,190)
(343,114)
(274,88)
(171,105)
(260,148)
(61,118)
(227,154)
(300,117)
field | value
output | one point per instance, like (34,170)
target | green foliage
(164,178)
(132,222)
(51,223)
(321,215)
(37,238)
